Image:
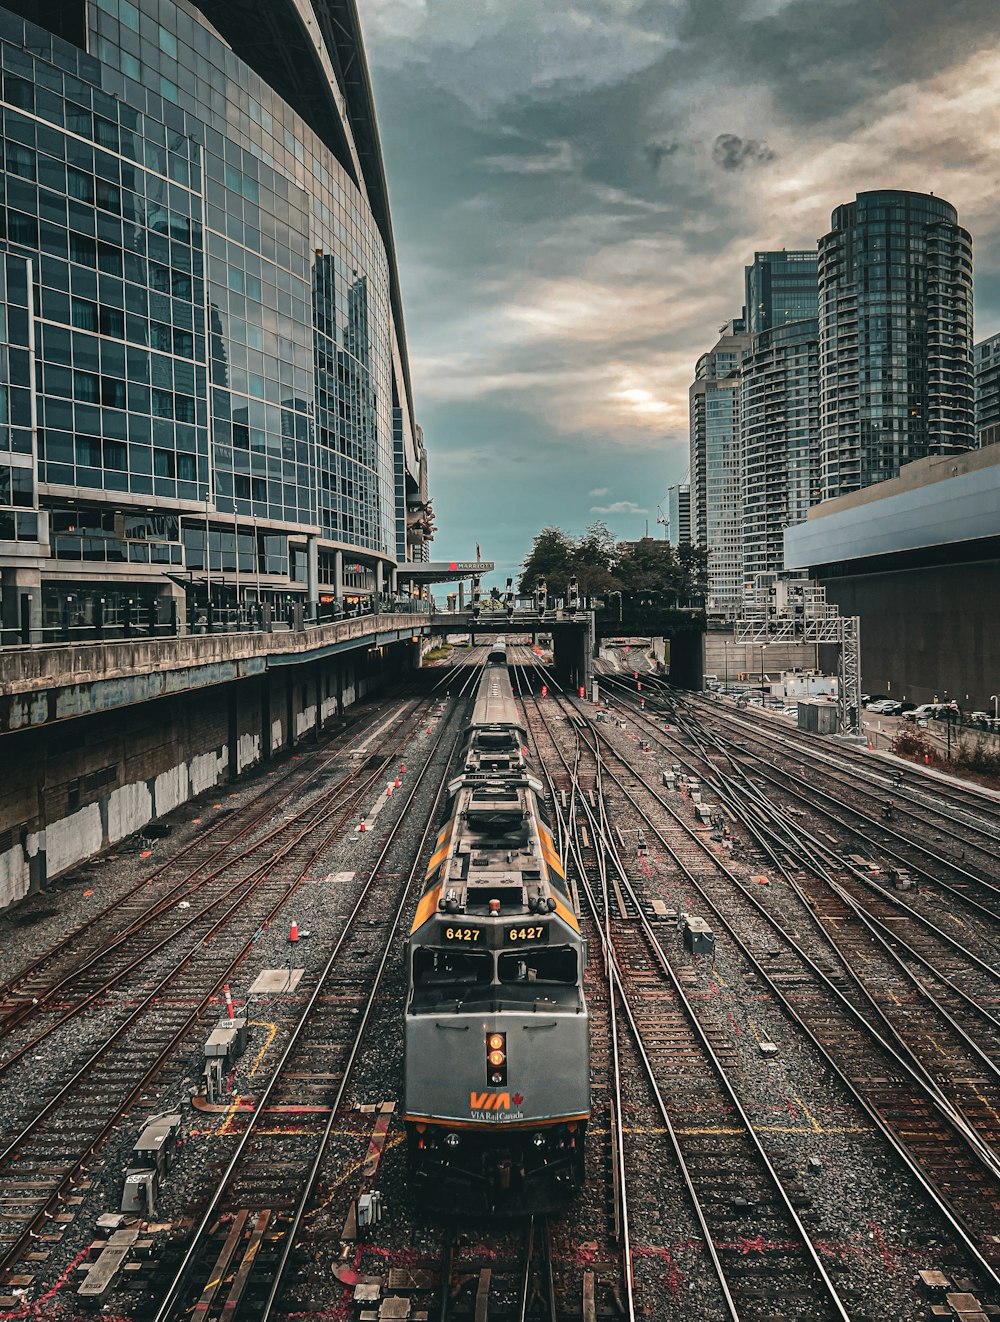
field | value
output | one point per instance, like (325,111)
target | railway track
(244,1243)
(968,874)
(50,1150)
(686,1062)
(907,1107)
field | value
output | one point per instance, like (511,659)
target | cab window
(549,967)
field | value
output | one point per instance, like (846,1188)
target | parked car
(875,697)
(886,707)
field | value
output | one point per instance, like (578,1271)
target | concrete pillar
(461,594)
(393,579)
(21,596)
(338,576)
(172,597)
(378,578)
(312,577)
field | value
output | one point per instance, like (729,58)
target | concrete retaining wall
(75,788)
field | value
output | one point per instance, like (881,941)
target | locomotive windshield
(549,967)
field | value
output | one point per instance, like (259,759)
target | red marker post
(229,1001)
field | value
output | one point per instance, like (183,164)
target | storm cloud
(576,187)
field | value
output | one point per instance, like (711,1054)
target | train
(497,1044)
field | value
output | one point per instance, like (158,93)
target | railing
(138,621)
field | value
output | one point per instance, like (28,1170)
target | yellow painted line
(233,1108)
(353,1169)
(988,1106)
(753,1029)
(816,1126)
(272,1030)
(718,977)
(722,1129)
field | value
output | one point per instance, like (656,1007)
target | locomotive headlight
(496,1058)
(538,1140)
(451,1140)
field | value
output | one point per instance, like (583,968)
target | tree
(652,566)
(694,563)
(549,561)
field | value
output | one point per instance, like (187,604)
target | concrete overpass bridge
(576,635)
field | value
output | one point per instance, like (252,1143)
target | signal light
(496,1058)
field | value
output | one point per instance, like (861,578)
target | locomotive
(497,1054)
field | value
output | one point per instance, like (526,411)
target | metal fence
(133,620)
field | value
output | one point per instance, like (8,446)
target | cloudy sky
(577,185)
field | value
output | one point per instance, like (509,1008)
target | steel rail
(170,1303)
(714,1063)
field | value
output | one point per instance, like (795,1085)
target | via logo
(489,1101)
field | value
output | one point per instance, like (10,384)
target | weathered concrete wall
(76,787)
(928,632)
(47,684)
(724,657)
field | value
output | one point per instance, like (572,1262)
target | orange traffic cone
(362,827)
(293,932)
(388,790)
(402,769)
(398,782)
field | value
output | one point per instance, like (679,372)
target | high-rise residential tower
(988,391)
(895,320)
(780,287)
(207,390)
(677,511)
(714,399)
(779,440)
(779,404)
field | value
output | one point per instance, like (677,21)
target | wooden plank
(221,1264)
(483,1295)
(229,1308)
(589,1308)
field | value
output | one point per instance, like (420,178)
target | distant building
(917,558)
(677,509)
(714,399)
(987,359)
(781,287)
(779,440)
(895,317)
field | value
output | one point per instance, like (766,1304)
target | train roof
(495,701)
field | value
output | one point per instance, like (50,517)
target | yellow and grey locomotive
(497,1090)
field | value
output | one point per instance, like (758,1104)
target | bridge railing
(139,620)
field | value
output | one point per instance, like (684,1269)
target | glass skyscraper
(780,287)
(714,402)
(895,322)
(206,383)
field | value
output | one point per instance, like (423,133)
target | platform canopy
(444,571)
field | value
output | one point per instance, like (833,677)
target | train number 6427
(525,933)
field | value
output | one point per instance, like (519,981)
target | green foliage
(909,741)
(602,565)
(549,561)
(978,757)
